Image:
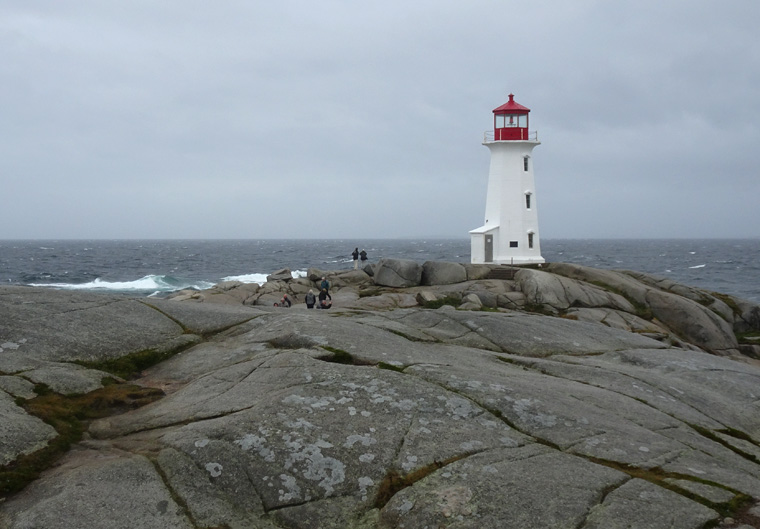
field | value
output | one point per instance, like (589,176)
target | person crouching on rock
(323,297)
(310,299)
(284,302)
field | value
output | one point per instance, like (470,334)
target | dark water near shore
(145,267)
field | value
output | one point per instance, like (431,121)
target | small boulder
(471,302)
(443,273)
(283,274)
(487,299)
(315,275)
(425,297)
(477,271)
(398,273)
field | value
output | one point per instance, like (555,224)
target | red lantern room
(510,121)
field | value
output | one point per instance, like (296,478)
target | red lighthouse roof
(510,121)
(511,107)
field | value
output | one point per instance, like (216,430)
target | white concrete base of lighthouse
(486,247)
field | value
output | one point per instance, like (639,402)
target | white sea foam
(260,278)
(154,283)
(698,266)
(158,283)
(248,278)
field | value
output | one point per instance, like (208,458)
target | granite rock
(382,414)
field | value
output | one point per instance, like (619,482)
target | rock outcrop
(398,273)
(443,273)
(565,397)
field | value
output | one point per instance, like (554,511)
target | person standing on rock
(363,255)
(310,299)
(325,285)
(355,255)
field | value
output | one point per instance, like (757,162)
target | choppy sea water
(147,267)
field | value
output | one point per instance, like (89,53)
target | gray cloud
(295,119)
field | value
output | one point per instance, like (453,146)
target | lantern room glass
(503,121)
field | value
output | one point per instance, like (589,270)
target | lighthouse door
(489,249)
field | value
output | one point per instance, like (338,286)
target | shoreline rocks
(632,301)
(557,397)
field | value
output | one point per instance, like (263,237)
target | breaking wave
(150,283)
(260,278)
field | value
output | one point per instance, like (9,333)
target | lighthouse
(510,232)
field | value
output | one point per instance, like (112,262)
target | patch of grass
(737,434)
(537,308)
(438,303)
(728,300)
(641,310)
(69,416)
(337,356)
(130,366)
(369,292)
(658,476)
(390,367)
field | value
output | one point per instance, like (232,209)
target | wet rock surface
(373,416)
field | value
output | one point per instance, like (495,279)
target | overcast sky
(346,119)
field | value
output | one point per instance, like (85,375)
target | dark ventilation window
(525,163)
(530,239)
(527,200)
(513,244)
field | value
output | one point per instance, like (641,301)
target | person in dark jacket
(355,255)
(325,284)
(310,299)
(324,296)
(363,256)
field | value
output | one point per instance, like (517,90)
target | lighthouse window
(527,200)
(525,163)
(513,244)
(530,239)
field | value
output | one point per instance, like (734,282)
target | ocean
(155,267)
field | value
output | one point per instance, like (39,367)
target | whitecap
(698,266)
(248,278)
(148,283)
(260,278)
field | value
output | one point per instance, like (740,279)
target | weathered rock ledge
(555,397)
(635,302)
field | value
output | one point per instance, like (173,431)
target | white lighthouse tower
(510,232)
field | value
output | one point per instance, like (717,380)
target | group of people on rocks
(323,300)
